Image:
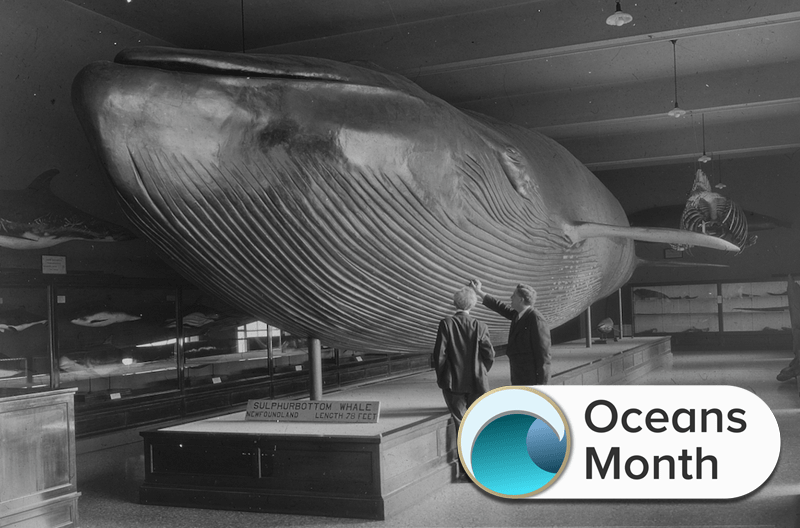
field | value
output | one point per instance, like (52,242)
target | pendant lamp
(677,111)
(619,18)
(704,158)
(719,185)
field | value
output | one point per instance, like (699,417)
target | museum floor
(109,479)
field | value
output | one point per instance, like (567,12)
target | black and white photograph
(399,263)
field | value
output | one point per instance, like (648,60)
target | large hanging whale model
(344,202)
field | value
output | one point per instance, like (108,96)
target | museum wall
(44,44)
(765,185)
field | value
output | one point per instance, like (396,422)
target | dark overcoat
(463,354)
(528,348)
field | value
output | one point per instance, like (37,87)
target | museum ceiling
(551,65)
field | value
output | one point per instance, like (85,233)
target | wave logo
(514,442)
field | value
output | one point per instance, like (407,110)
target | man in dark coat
(528,348)
(462,356)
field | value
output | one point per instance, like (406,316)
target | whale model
(345,203)
(34,218)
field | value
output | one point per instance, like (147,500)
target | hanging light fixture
(619,18)
(244,47)
(704,158)
(677,111)
(720,185)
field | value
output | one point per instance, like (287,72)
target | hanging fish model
(100,317)
(343,202)
(34,218)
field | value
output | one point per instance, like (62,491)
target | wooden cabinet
(38,487)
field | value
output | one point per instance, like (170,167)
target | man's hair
(527,294)
(465,298)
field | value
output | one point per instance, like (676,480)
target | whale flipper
(583,230)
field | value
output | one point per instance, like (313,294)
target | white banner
(620,442)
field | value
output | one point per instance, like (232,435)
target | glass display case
(743,313)
(24,338)
(755,307)
(115,342)
(675,308)
(220,343)
(141,351)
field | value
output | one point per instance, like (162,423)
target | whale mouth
(287,67)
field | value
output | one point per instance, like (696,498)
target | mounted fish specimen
(200,315)
(19,319)
(93,358)
(645,294)
(34,218)
(100,315)
(344,202)
(197,316)
(712,214)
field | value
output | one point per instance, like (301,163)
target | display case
(24,338)
(755,307)
(142,351)
(675,308)
(222,344)
(730,314)
(115,342)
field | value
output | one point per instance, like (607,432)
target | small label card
(54,265)
(313,411)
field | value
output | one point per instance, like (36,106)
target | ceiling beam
(525,31)
(649,140)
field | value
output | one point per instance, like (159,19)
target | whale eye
(513,155)
(517,172)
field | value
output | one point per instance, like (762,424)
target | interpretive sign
(313,411)
(54,265)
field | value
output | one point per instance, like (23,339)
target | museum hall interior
(314,263)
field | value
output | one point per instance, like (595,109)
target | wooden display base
(348,470)
(369,476)
(623,362)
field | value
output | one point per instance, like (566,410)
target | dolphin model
(343,202)
(101,316)
(35,218)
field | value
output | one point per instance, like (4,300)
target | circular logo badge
(514,442)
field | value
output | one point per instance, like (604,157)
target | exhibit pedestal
(336,475)
(349,470)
